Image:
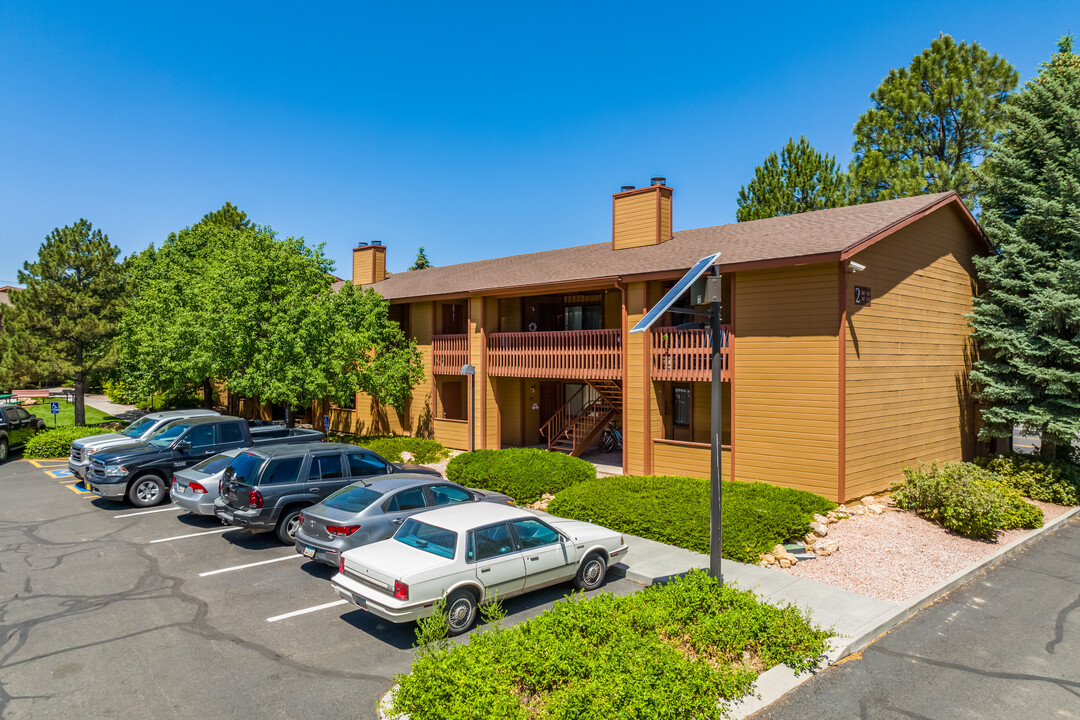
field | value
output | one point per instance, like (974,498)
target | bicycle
(611,439)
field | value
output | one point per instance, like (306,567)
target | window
(245,468)
(214,465)
(428,538)
(352,499)
(448,494)
(22,414)
(364,464)
(165,436)
(680,406)
(137,428)
(534,534)
(231,432)
(584,317)
(201,436)
(325,467)
(407,500)
(492,541)
(279,472)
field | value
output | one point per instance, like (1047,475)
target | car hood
(97,440)
(128,452)
(389,560)
(581,531)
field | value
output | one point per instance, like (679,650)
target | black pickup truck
(16,427)
(142,472)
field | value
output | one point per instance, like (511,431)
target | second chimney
(641,216)
(369,263)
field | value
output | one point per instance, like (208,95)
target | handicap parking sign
(54,408)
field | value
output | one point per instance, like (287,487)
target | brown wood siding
(665,217)
(909,352)
(634,221)
(683,459)
(635,432)
(452,433)
(785,368)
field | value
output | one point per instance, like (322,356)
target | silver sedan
(196,488)
(360,514)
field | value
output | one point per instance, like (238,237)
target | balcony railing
(686,355)
(570,354)
(449,353)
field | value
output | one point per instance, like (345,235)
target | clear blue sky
(474,129)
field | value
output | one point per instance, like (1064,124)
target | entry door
(453,319)
(551,400)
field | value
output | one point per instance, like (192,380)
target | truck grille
(97,468)
(76,453)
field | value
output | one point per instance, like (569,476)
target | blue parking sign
(54,408)
(326,423)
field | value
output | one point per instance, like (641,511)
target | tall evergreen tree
(64,323)
(1027,321)
(422,262)
(228,216)
(932,123)
(800,179)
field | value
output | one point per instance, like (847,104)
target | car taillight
(255,499)
(221,487)
(341,564)
(300,518)
(401,590)
(342,530)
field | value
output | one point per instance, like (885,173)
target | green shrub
(675,511)
(57,443)
(524,474)
(965,499)
(1056,482)
(669,650)
(391,446)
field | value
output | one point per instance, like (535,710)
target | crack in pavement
(1059,626)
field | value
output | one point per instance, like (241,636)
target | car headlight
(115,471)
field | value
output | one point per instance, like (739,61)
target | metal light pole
(471,372)
(716,487)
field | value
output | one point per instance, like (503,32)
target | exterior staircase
(573,432)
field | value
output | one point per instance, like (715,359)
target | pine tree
(800,179)
(1027,321)
(422,262)
(932,123)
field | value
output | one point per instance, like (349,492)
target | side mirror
(183,446)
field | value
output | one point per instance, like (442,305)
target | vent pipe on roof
(376,242)
(625,188)
(361,244)
(658,181)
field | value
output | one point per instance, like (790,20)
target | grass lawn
(66,418)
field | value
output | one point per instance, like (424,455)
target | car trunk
(383,562)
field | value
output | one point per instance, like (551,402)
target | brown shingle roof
(794,238)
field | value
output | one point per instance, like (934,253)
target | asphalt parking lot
(108,611)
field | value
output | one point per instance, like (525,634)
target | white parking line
(305,611)
(181,537)
(147,512)
(294,556)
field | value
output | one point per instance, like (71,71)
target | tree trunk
(207,394)
(1048,451)
(80,401)
(291,415)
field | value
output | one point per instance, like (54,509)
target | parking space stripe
(294,556)
(191,535)
(147,512)
(305,611)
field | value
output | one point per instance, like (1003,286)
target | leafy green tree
(422,262)
(800,179)
(1027,321)
(932,123)
(63,325)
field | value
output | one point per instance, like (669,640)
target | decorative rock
(869,500)
(832,516)
(407,457)
(821,519)
(778,550)
(785,563)
(768,559)
(876,509)
(809,539)
(819,529)
(841,508)
(857,510)
(825,548)
(790,558)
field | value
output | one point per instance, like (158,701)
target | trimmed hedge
(675,510)
(670,650)
(57,443)
(965,499)
(524,474)
(391,446)
(1056,482)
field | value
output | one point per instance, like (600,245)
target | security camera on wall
(855,267)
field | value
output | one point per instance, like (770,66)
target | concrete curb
(776,682)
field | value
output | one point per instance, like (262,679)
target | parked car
(16,427)
(469,554)
(196,488)
(266,488)
(142,472)
(361,514)
(140,430)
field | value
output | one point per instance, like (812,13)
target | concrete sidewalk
(126,413)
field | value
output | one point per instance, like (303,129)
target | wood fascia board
(952,199)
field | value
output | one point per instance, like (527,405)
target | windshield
(352,499)
(214,465)
(166,436)
(245,468)
(428,538)
(137,428)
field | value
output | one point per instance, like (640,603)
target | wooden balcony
(686,355)
(449,353)
(570,355)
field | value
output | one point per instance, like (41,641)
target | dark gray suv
(266,488)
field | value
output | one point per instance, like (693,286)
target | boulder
(876,508)
(821,519)
(825,548)
(869,500)
(809,539)
(819,529)
(832,516)
(407,457)
(778,550)
(785,563)
(768,559)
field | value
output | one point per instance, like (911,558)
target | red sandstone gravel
(897,556)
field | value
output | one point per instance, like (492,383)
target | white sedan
(471,555)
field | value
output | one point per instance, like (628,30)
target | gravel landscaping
(898,555)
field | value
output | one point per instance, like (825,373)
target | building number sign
(862,295)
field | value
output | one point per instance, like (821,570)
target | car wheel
(3,449)
(287,526)
(591,573)
(146,491)
(460,612)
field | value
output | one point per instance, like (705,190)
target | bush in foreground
(965,499)
(671,650)
(675,511)
(524,474)
(57,443)
(1056,482)
(391,446)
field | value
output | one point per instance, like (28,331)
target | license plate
(309,552)
(360,602)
